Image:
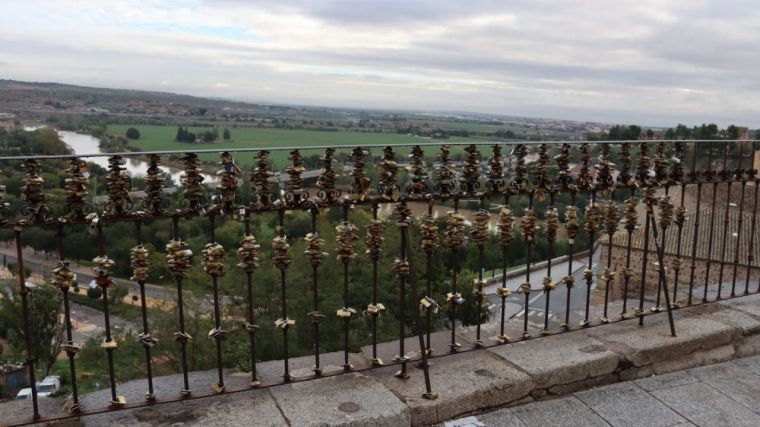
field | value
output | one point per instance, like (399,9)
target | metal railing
(621,198)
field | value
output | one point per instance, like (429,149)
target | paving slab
(565,411)
(501,418)
(644,345)
(239,409)
(671,379)
(581,357)
(344,400)
(733,315)
(705,406)
(625,404)
(464,382)
(732,380)
(751,363)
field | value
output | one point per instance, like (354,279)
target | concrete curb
(484,379)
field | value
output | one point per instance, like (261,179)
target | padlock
(503,292)
(345,312)
(374,309)
(284,323)
(479,231)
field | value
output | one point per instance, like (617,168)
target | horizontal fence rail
(677,218)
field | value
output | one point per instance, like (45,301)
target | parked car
(45,388)
(24,394)
(49,385)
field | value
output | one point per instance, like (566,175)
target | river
(87,144)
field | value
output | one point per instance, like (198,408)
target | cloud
(645,61)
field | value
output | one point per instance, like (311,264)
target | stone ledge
(346,400)
(478,380)
(464,382)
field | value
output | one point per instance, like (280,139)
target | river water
(88,144)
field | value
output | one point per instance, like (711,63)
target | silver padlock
(94,226)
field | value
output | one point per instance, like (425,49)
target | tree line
(185,135)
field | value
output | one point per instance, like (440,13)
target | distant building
(7,121)
(13,376)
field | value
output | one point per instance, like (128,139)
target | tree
(650,133)
(133,133)
(634,132)
(732,132)
(226,134)
(181,134)
(94,293)
(44,326)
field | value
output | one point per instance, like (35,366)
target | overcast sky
(644,61)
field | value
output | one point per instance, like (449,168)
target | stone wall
(652,275)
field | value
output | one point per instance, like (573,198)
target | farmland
(154,138)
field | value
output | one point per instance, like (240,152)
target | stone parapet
(472,381)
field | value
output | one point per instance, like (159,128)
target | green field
(156,138)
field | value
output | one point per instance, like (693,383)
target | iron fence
(622,198)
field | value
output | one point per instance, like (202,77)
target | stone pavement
(594,376)
(723,394)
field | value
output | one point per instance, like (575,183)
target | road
(515,303)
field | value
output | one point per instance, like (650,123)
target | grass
(154,137)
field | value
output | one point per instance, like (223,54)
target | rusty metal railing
(626,201)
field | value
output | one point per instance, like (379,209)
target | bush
(133,133)
(94,293)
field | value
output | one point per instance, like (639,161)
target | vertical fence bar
(282,261)
(660,251)
(178,258)
(62,278)
(213,264)
(572,227)
(725,176)
(592,223)
(710,175)
(248,254)
(586,183)
(139,260)
(428,394)
(552,225)
(694,176)
(374,249)
(739,176)
(454,240)
(346,240)
(23,292)
(631,222)
(401,267)
(610,220)
(666,217)
(314,250)
(680,219)
(506,227)
(676,175)
(644,265)
(429,235)
(750,246)
(481,237)
(103,279)
(606,184)
(528,226)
